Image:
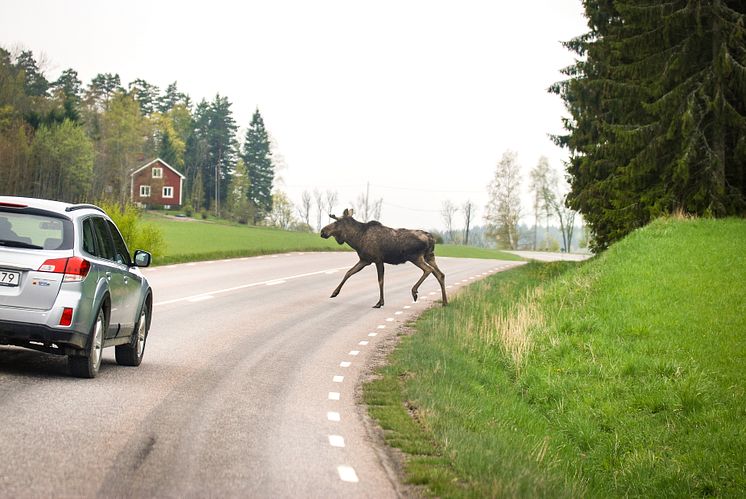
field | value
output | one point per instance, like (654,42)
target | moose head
(340,228)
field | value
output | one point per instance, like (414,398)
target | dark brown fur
(376,243)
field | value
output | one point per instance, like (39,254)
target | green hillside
(624,375)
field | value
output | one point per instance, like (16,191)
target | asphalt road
(247,388)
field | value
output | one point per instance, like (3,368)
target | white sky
(419,98)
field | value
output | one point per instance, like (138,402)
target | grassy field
(191,240)
(621,376)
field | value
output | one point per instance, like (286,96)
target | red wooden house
(157,184)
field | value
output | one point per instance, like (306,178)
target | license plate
(8,278)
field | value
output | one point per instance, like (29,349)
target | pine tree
(258,158)
(146,95)
(69,89)
(36,83)
(658,113)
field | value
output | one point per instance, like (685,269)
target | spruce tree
(658,113)
(258,158)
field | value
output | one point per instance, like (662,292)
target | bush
(136,233)
(188,210)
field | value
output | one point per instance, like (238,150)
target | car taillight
(74,268)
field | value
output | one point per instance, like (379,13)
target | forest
(77,142)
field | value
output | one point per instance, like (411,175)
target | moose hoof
(414,295)
(334,295)
(378,305)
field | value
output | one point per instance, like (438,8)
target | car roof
(68,209)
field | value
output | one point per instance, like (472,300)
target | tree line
(68,141)
(657,104)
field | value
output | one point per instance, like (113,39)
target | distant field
(624,376)
(190,240)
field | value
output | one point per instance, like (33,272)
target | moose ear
(351,212)
(346,213)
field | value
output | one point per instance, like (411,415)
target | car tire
(131,354)
(88,364)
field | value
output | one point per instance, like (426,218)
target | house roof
(157,160)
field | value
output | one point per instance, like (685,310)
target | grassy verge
(187,240)
(620,376)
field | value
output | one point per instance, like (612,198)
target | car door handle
(108,276)
(126,280)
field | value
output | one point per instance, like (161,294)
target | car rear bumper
(55,340)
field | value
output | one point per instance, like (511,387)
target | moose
(376,243)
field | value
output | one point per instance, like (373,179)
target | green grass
(193,240)
(621,376)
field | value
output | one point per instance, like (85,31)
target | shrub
(136,233)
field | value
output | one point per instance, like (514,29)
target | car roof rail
(84,207)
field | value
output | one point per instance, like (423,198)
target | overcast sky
(418,98)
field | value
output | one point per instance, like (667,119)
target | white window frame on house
(168,191)
(157,172)
(144,191)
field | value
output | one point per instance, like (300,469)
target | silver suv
(68,285)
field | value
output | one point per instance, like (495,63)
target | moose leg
(426,271)
(379,268)
(439,275)
(354,270)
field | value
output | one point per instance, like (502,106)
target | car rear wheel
(132,353)
(88,364)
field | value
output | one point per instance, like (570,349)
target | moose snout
(324,233)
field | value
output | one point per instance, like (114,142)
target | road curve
(247,388)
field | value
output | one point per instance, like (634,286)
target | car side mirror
(142,258)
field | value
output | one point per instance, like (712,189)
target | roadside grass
(188,240)
(621,376)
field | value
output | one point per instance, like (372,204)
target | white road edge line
(333,416)
(333,395)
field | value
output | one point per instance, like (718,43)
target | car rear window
(35,230)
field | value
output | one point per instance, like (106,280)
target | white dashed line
(333,395)
(431,293)
(338,379)
(354,352)
(345,364)
(333,416)
(390,319)
(372,334)
(347,474)
(336,441)
(398,312)
(363,343)
(381,327)
(407,306)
